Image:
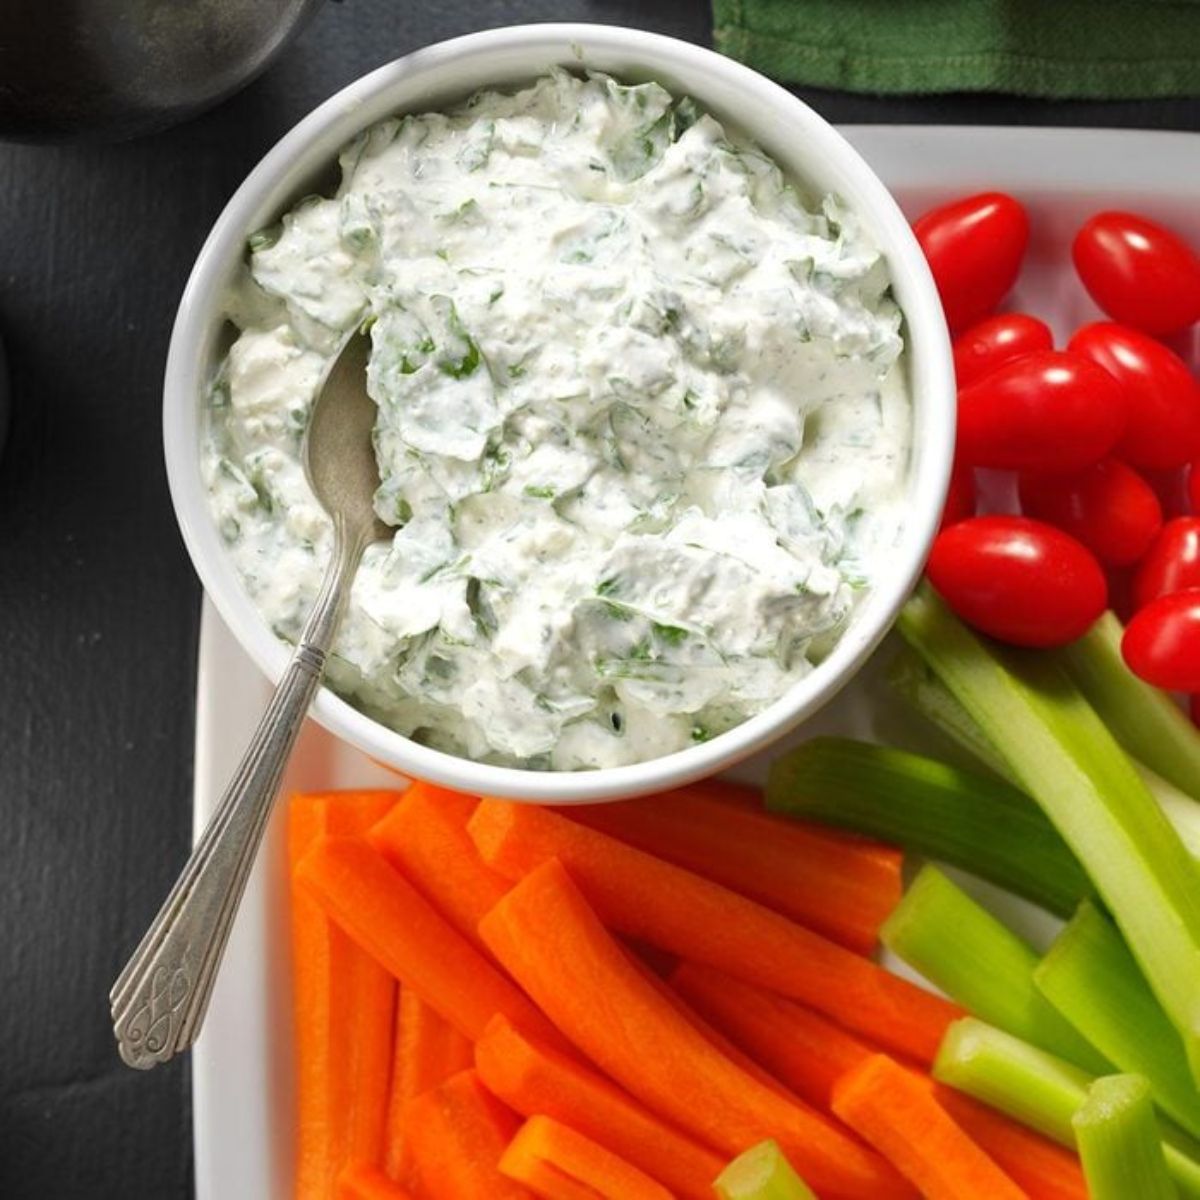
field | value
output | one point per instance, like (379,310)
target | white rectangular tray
(241,1068)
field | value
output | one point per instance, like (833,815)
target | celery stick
(916,683)
(1038,1089)
(1062,753)
(976,822)
(761,1173)
(1146,721)
(1029,1085)
(1120,1143)
(914,680)
(1178,807)
(961,948)
(1093,981)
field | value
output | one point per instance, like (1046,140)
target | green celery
(1092,980)
(1178,807)
(976,960)
(973,821)
(1120,1143)
(1027,1084)
(1038,1090)
(1060,751)
(761,1173)
(1145,720)
(916,683)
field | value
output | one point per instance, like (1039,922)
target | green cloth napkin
(1116,49)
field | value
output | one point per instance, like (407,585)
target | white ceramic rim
(776,120)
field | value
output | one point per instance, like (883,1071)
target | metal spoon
(160,998)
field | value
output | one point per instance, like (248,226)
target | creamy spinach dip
(643,424)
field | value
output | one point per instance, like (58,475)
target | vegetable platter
(1038,1036)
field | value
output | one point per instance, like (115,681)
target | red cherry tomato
(1139,272)
(974,247)
(960,496)
(1018,580)
(1171,564)
(1162,643)
(1044,412)
(1163,399)
(996,340)
(1109,507)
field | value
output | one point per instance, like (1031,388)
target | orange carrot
(727,1047)
(362,1181)
(425,838)
(899,1117)
(533,1078)
(805,1050)
(554,945)
(660,903)
(547,1182)
(1044,1169)
(843,889)
(428,1051)
(582,1161)
(386,915)
(343,1004)
(810,1053)
(458,1132)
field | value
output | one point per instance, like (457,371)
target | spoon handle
(159,999)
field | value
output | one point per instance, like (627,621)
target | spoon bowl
(338,455)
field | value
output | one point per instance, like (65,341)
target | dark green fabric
(1115,49)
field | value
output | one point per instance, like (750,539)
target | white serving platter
(241,1067)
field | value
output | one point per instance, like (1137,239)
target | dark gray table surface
(98,604)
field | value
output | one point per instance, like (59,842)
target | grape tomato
(1018,580)
(1171,564)
(995,341)
(1108,507)
(974,247)
(1162,643)
(1163,399)
(1049,411)
(1139,272)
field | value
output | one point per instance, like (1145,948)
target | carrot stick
(883,1102)
(458,1131)
(809,1053)
(343,1004)
(362,1181)
(544,1140)
(840,888)
(805,1050)
(428,1051)
(386,915)
(676,910)
(1046,1170)
(533,1078)
(547,1182)
(425,838)
(554,945)
(728,1048)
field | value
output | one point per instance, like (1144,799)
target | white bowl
(803,144)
